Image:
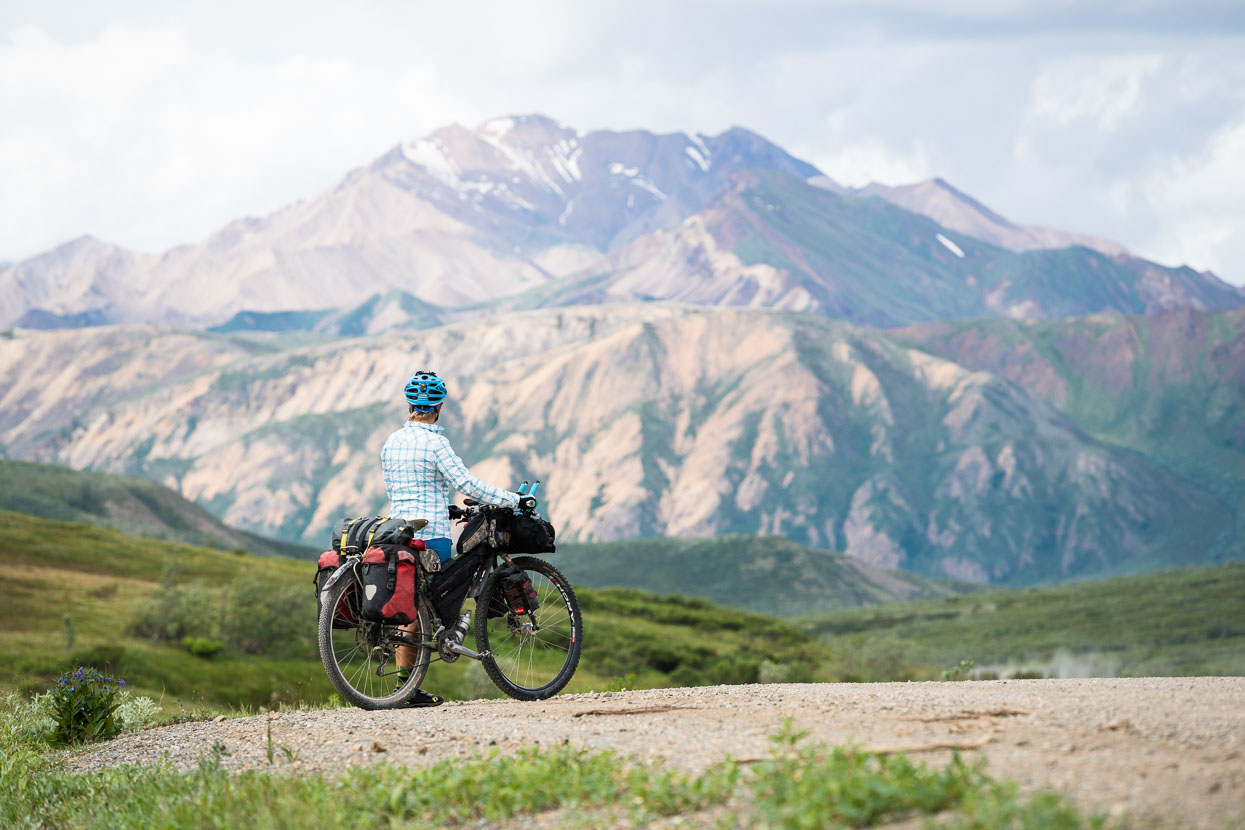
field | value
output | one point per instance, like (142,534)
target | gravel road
(1168,747)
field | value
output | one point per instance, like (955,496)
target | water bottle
(460,629)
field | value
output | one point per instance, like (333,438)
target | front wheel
(360,657)
(530,655)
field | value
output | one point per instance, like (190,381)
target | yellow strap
(346,532)
(372,533)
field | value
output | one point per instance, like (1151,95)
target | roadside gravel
(1172,748)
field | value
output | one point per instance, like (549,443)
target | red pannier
(329,562)
(388,574)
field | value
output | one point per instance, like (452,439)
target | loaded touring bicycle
(379,591)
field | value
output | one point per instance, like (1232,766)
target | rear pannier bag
(531,534)
(329,562)
(388,574)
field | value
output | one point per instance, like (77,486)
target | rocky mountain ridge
(528,212)
(644,420)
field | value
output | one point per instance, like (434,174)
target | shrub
(202,646)
(104,591)
(271,618)
(476,684)
(84,706)
(135,711)
(174,612)
(30,720)
(71,631)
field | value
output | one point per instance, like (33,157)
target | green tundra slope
(263,608)
(1174,623)
(767,574)
(135,505)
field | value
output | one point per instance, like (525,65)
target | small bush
(174,612)
(1026,674)
(71,631)
(270,618)
(771,672)
(621,684)
(202,646)
(84,706)
(135,711)
(104,591)
(30,720)
(476,684)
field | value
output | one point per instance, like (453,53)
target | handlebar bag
(487,529)
(531,534)
(388,575)
(329,560)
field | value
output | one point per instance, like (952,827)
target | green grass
(138,506)
(100,576)
(765,574)
(1176,623)
(801,785)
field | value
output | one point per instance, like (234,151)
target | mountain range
(682,335)
(525,212)
(659,419)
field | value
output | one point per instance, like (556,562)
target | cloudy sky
(149,124)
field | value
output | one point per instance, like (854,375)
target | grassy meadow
(104,580)
(77,594)
(1175,623)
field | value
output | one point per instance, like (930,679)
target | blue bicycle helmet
(425,392)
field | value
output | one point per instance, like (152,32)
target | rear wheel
(532,655)
(360,657)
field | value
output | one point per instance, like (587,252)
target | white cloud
(1199,204)
(138,136)
(871,160)
(160,129)
(1100,90)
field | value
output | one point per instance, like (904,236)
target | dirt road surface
(1166,747)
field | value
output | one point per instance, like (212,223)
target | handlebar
(527,503)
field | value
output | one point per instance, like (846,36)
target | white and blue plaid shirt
(420,468)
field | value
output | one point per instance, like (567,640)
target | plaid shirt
(420,468)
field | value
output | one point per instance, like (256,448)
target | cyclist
(420,469)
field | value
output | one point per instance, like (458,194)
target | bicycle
(528,638)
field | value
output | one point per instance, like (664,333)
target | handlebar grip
(455,511)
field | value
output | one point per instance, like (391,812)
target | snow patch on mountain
(694,154)
(950,246)
(430,155)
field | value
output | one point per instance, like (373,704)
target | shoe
(422,699)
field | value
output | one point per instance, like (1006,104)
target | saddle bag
(329,562)
(388,574)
